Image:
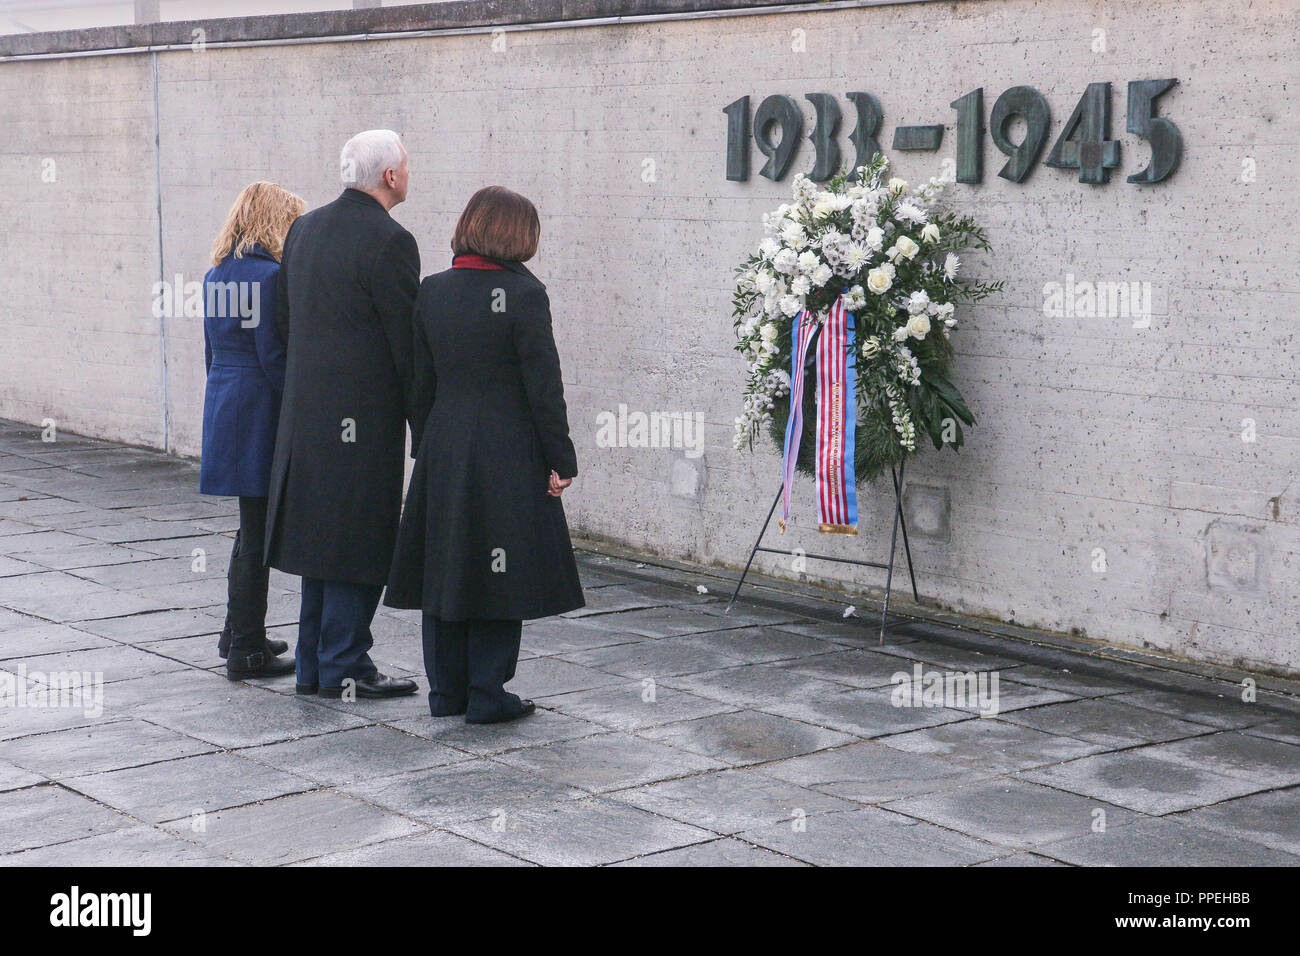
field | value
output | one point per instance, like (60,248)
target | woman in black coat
(483,543)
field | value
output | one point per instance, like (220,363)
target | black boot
(223,643)
(249,650)
(249,659)
(247,581)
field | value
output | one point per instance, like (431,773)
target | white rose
(879,281)
(768,332)
(918,326)
(897,186)
(907,247)
(875,238)
(917,302)
(870,347)
(930,233)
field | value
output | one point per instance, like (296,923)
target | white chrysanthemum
(855,298)
(769,247)
(764,281)
(821,275)
(791,305)
(856,255)
(785,261)
(950,266)
(808,261)
(793,235)
(802,285)
(910,212)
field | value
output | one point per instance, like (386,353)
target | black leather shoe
(305,689)
(526,707)
(377,687)
(258,664)
(273,648)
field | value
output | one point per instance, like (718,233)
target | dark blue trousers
(334,637)
(467,663)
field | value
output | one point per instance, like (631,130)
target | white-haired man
(349,274)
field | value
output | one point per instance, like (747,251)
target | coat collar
(260,252)
(364,199)
(516,266)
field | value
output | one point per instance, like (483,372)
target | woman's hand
(557,485)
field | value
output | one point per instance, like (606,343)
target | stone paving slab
(1142,779)
(1162,842)
(714,853)
(361,753)
(594,831)
(129,846)
(870,772)
(871,837)
(729,801)
(669,731)
(294,828)
(1271,818)
(173,789)
(634,705)
(1013,812)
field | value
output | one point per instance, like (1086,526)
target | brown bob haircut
(499,224)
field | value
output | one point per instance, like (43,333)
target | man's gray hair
(367,156)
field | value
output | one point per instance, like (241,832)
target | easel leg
(754,550)
(907,547)
(893,543)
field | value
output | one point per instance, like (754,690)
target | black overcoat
(349,274)
(480,536)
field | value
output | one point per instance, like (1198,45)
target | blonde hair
(261,215)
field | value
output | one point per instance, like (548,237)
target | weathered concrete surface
(1108,490)
(669,733)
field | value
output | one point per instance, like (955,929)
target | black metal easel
(897,475)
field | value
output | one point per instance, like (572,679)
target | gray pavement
(668,733)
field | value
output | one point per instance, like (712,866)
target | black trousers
(247,580)
(467,663)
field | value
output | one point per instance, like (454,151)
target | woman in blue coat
(241,408)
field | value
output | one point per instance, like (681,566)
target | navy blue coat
(241,406)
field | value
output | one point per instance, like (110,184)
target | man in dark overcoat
(350,274)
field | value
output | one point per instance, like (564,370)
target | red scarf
(470,260)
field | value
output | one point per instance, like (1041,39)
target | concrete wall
(1095,438)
